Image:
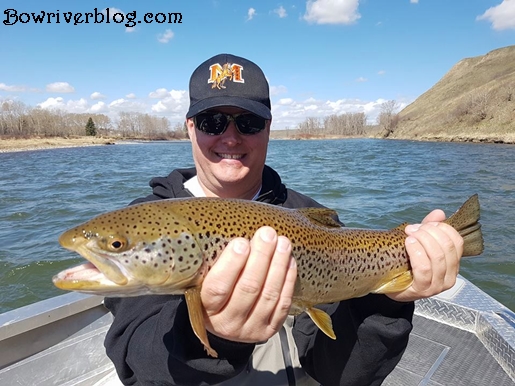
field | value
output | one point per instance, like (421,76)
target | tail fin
(466,222)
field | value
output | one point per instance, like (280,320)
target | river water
(371,183)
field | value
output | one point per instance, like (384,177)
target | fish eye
(116,244)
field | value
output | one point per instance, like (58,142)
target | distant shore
(28,144)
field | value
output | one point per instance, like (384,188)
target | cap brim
(242,103)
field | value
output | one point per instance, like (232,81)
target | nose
(231,134)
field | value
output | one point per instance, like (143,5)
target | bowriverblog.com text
(130,19)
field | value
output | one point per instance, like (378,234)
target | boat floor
(439,354)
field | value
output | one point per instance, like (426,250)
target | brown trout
(168,246)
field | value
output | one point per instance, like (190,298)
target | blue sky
(321,57)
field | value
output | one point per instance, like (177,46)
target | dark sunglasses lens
(250,123)
(212,124)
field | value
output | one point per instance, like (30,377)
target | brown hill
(474,101)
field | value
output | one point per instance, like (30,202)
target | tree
(91,130)
(387,118)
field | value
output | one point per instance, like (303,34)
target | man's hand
(248,293)
(434,249)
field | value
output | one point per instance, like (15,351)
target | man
(248,292)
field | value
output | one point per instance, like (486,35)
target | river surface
(371,183)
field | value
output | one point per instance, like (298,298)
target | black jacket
(151,340)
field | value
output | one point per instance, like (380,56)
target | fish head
(133,251)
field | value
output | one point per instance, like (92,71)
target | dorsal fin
(321,216)
(401,227)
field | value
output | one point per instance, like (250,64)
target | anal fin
(397,284)
(322,320)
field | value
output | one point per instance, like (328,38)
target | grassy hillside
(474,101)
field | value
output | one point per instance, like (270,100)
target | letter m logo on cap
(219,74)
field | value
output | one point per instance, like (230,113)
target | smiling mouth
(230,156)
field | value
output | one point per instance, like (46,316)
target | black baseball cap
(229,80)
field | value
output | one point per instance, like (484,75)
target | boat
(460,337)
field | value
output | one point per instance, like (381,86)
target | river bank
(25,144)
(36,143)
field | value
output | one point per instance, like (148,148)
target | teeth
(230,156)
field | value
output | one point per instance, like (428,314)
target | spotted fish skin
(168,246)
(166,242)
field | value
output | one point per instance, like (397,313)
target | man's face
(230,164)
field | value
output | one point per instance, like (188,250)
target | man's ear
(190,126)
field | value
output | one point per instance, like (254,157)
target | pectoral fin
(397,284)
(322,320)
(194,303)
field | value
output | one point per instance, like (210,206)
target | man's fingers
(219,283)
(275,300)
(250,283)
(434,250)
(436,215)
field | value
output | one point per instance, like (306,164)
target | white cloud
(117,102)
(176,104)
(332,11)
(285,101)
(276,90)
(82,106)
(12,88)
(127,105)
(178,94)
(381,72)
(174,101)
(361,79)
(99,107)
(251,13)
(60,87)
(281,12)
(413,1)
(501,16)
(159,93)
(130,96)
(71,106)
(52,103)
(165,37)
(96,95)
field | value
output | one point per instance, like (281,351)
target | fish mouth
(82,278)
(100,273)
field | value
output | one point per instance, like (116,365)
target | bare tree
(310,127)
(388,118)
(17,120)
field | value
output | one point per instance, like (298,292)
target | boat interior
(461,337)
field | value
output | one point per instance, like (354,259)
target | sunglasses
(215,123)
